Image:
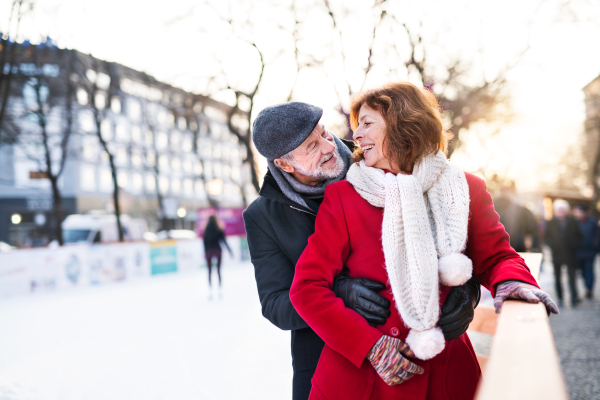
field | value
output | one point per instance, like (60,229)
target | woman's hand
(388,358)
(522,291)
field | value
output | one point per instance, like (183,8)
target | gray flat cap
(279,129)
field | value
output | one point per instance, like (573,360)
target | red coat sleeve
(488,244)
(342,329)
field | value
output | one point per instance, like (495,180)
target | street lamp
(16,219)
(181,213)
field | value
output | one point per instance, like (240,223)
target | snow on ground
(161,337)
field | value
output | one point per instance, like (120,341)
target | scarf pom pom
(426,344)
(455,269)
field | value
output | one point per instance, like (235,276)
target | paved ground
(577,336)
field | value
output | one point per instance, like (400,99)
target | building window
(200,188)
(121,156)
(133,109)
(174,140)
(136,134)
(136,158)
(216,151)
(198,168)
(88,178)
(106,130)
(162,140)
(187,166)
(149,137)
(150,159)
(137,183)
(217,170)
(215,130)
(188,187)
(123,180)
(163,183)
(207,169)
(186,144)
(175,186)
(226,171)
(115,105)
(82,97)
(181,124)
(150,183)
(175,164)
(106,184)
(86,121)
(100,101)
(207,150)
(121,132)
(235,174)
(163,162)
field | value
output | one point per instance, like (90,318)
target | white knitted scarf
(424,232)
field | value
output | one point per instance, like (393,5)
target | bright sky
(546,88)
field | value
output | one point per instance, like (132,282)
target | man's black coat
(278,230)
(563,239)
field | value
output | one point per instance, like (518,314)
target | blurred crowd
(572,236)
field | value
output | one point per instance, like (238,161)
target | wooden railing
(523,363)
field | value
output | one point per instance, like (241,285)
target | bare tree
(48,96)
(99,99)
(9,129)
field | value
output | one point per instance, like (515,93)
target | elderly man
(564,237)
(303,158)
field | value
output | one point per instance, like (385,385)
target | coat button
(394,331)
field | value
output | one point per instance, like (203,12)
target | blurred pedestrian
(563,236)
(586,254)
(519,222)
(213,237)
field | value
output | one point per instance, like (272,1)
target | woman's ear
(284,165)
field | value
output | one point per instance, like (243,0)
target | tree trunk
(58,208)
(113,170)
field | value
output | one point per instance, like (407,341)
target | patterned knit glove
(522,291)
(387,357)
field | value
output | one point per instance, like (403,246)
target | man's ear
(284,165)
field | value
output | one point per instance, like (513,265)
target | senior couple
(372,252)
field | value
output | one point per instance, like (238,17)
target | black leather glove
(361,296)
(459,308)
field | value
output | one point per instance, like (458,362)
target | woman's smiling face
(370,135)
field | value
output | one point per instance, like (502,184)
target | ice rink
(161,337)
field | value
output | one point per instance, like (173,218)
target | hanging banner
(231,219)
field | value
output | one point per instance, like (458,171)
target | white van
(94,228)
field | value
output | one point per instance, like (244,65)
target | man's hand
(458,309)
(388,358)
(522,291)
(361,296)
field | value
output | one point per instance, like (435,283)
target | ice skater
(213,236)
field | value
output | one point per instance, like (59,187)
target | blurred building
(164,141)
(591,148)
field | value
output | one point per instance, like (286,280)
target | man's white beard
(321,173)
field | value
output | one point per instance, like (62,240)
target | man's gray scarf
(293,189)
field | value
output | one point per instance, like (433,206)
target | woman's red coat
(348,232)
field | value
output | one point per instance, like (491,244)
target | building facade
(591,149)
(165,143)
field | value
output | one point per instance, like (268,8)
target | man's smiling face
(315,160)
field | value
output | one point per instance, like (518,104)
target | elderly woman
(408,217)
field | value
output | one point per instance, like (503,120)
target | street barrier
(31,271)
(523,363)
